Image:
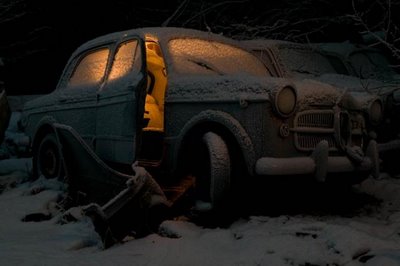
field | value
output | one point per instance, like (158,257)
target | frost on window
(195,56)
(123,60)
(265,57)
(304,61)
(371,65)
(90,70)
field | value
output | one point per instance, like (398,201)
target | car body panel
(223,89)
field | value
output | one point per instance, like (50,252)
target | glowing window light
(91,69)
(196,56)
(123,60)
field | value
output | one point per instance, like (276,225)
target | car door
(77,99)
(120,103)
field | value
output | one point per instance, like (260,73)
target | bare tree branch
(386,18)
(179,9)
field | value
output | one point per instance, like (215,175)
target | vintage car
(188,103)
(373,68)
(305,61)
(364,73)
(377,72)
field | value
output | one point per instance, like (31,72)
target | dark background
(38,36)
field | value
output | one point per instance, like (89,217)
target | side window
(268,61)
(90,69)
(124,60)
(303,61)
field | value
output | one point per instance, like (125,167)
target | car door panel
(120,107)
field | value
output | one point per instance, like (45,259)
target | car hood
(359,85)
(310,92)
(317,93)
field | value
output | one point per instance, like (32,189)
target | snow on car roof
(164,33)
(264,43)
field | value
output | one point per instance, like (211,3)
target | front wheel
(212,170)
(47,159)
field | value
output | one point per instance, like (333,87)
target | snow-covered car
(363,73)
(188,103)
(376,73)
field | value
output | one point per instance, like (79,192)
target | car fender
(44,125)
(229,123)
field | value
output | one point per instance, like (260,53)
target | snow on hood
(312,92)
(359,85)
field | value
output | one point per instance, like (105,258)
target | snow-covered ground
(368,233)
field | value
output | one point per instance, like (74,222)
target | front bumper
(320,163)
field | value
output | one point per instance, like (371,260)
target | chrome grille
(315,120)
(313,126)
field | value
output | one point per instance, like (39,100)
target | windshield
(196,56)
(370,64)
(305,61)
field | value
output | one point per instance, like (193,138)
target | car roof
(270,43)
(164,33)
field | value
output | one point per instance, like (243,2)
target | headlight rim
(276,101)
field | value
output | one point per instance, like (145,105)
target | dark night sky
(38,36)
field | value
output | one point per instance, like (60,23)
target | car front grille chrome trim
(313,126)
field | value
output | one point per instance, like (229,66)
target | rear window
(196,56)
(90,69)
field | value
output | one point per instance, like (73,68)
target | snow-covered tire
(213,175)
(47,158)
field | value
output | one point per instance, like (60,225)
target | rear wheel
(47,159)
(212,170)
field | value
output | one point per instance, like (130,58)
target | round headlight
(376,112)
(285,101)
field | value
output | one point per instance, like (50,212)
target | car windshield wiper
(205,65)
(301,71)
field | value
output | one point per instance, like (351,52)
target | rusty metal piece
(118,203)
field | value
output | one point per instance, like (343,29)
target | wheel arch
(223,124)
(44,126)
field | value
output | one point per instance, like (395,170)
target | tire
(47,158)
(212,173)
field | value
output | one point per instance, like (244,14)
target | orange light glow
(91,68)
(154,108)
